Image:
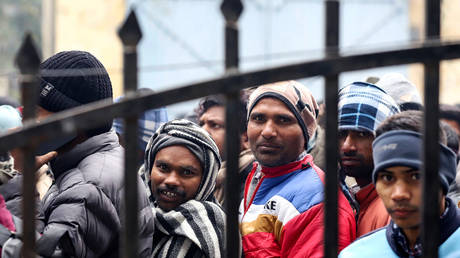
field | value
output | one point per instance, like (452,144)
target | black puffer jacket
(82,208)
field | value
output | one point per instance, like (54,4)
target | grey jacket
(83,207)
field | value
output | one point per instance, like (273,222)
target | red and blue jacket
(282,212)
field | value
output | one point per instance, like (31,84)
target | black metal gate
(85,117)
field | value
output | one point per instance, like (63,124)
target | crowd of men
(181,177)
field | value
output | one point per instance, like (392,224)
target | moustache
(353,155)
(178,192)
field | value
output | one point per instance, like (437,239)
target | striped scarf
(196,227)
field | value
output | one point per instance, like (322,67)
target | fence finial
(231,9)
(130,32)
(27,59)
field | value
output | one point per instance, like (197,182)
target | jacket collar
(448,224)
(304,161)
(70,159)
(366,194)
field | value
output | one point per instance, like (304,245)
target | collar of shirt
(402,242)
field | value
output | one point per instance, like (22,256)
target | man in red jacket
(362,107)
(282,211)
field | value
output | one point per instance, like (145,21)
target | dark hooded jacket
(82,208)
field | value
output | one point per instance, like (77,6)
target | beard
(360,169)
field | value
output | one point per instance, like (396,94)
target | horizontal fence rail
(88,116)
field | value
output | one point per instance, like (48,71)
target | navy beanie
(404,148)
(73,78)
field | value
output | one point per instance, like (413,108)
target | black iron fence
(89,116)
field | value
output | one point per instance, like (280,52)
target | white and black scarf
(195,228)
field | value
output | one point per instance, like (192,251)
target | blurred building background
(183,39)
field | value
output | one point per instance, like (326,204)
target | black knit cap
(84,80)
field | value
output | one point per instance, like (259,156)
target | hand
(39,160)
(43,159)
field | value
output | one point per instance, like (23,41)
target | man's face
(355,149)
(213,121)
(400,190)
(176,176)
(275,137)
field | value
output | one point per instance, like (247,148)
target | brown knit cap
(297,98)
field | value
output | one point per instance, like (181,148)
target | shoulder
(303,189)
(103,169)
(450,247)
(373,244)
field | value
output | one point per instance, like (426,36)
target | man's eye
(343,134)
(162,166)
(188,172)
(216,126)
(386,177)
(362,134)
(415,176)
(257,118)
(285,119)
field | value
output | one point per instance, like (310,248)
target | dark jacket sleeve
(12,193)
(85,221)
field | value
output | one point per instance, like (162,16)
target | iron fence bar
(430,178)
(89,116)
(130,35)
(231,10)
(331,88)
(28,62)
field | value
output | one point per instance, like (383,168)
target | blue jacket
(380,243)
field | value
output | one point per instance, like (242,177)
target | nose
(400,191)
(268,130)
(349,144)
(172,179)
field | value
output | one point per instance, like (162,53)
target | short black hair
(411,120)
(449,112)
(452,137)
(218,100)
(208,102)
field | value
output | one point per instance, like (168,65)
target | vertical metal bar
(231,9)
(430,177)
(130,35)
(331,88)
(28,61)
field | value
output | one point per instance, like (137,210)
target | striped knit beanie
(198,141)
(363,106)
(296,97)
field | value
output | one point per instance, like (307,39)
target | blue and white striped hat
(363,106)
(148,123)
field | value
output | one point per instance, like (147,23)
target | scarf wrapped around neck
(196,227)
